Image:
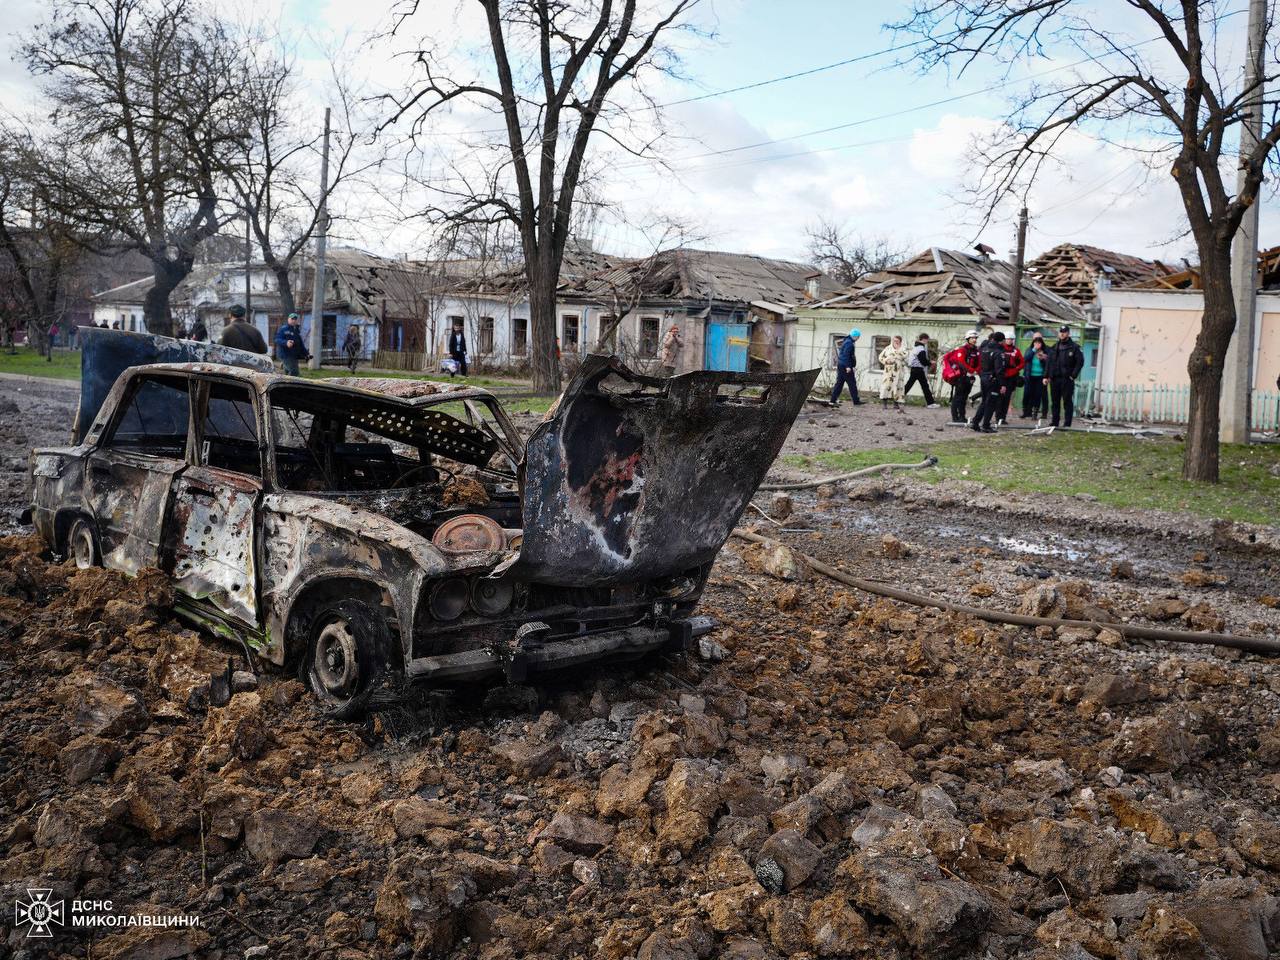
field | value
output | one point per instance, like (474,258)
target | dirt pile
(854,778)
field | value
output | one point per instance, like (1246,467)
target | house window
(648,336)
(834,353)
(569,332)
(519,336)
(877,345)
(486,334)
(329,332)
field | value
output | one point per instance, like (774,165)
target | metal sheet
(634,478)
(214,561)
(105,354)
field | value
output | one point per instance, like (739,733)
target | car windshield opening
(335,441)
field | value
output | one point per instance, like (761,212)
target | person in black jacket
(992,363)
(458,347)
(1063,363)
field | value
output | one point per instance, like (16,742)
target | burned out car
(370,540)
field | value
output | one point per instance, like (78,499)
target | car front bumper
(526,658)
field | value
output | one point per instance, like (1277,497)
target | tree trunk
(1205,366)
(287,304)
(155,308)
(542,323)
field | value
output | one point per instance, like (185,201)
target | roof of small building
(1072,270)
(707,275)
(940,281)
(1189,278)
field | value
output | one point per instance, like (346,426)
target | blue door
(727,345)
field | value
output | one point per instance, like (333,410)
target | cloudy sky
(873,145)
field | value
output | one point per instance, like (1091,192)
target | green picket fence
(1162,403)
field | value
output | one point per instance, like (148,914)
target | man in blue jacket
(290,347)
(846,369)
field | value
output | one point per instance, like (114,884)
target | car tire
(82,544)
(346,656)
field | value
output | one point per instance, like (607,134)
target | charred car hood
(633,478)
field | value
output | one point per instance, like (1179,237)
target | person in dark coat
(847,369)
(458,348)
(289,345)
(198,331)
(1035,396)
(992,363)
(240,334)
(1064,362)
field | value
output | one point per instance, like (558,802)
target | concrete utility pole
(1015,294)
(1237,377)
(322,227)
(248,286)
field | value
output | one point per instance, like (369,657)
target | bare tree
(557,69)
(847,256)
(39,247)
(275,174)
(147,92)
(1173,93)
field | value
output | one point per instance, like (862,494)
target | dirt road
(836,776)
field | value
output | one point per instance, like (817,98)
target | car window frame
(199,399)
(104,442)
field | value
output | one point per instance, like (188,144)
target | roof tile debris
(940,281)
(1072,271)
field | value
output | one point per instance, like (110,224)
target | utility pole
(248,285)
(322,227)
(1237,375)
(1015,293)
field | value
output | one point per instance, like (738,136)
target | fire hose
(1130,630)
(864,472)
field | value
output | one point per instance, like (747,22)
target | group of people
(1047,375)
(895,360)
(291,347)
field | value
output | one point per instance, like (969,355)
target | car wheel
(346,655)
(82,544)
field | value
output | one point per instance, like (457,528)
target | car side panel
(129,495)
(215,559)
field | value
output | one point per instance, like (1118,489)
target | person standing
(290,347)
(920,367)
(959,367)
(240,334)
(893,360)
(198,330)
(671,346)
(1035,397)
(1064,362)
(352,345)
(847,369)
(458,347)
(992,361)
(1012,375)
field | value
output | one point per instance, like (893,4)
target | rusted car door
(215,504)
(130,474)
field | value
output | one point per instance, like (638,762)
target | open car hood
(633,478)
(105,354)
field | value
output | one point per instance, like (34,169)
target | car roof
(262,381)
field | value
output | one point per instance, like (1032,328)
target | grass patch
(1120,471)
(28,363)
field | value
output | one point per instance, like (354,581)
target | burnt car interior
(154,418)
(419,461)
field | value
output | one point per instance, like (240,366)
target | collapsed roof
(1072,271)
(940,281)
(1189,278)
(707,275)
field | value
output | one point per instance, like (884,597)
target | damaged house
(940,292)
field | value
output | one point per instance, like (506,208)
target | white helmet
(972,335)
